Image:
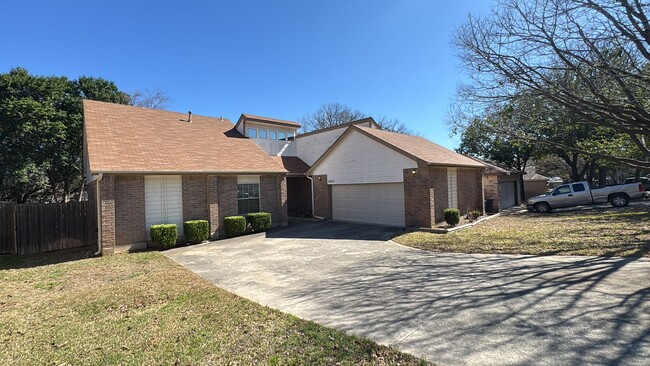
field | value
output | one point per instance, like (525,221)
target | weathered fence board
(7,228)
(43,227)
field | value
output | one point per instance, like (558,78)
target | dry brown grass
(596,232)
(143,309)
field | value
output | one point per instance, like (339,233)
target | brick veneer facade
(492,188)
(122,205)
(107,211)
(322,197)
(426,193)
(273,194)
(194,197)
(129,210)
(470,189)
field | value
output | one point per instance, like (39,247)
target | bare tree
(328,115)
(334,114)
(149,98)
(591,57)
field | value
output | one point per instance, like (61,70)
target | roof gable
(421,148)
(126,139)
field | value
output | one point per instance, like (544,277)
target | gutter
(312,199)
(99,215)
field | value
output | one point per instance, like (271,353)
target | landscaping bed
(597,231)
(143,309)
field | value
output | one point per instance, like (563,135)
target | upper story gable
(275,136)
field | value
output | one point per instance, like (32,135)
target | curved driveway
(452,309)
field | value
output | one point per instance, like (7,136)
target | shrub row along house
(146,167)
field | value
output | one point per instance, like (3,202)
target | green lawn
(143,309)
(598,232)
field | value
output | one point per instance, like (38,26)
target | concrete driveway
(452,309)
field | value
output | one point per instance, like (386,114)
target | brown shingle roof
(122,138)
(420,148)
(492,168)
(293,164)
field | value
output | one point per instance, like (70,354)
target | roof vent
(189,116)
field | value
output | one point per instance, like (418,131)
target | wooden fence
(44,227)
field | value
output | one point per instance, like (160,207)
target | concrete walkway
(452,309)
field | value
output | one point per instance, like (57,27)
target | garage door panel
(369,203)
(508,194)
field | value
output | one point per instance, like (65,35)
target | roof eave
(177,172)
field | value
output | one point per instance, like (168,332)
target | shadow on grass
(10,261)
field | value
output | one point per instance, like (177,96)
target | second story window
(262,134)
(273,135)
(252,133)
(290,136)
(282,136)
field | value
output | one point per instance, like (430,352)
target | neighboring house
(147,167)
(501,187)
(534,184)
(375,176)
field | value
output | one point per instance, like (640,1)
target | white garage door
(508,194)
(369,203)
(163,201)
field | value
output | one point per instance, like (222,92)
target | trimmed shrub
(196,231)
(260,221)
(452,216)
(235,225)
(164,235)
(475,214)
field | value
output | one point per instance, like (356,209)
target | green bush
(475,214)
(164,235)
(235,225)
(452,216)
(260,221)
(196,231)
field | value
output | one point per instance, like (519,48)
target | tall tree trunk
(602,176)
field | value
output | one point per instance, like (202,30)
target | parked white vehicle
(578,194)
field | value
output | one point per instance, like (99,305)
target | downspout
(313,209)
(99,215)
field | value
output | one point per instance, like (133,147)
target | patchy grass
(621,232)
(143,309)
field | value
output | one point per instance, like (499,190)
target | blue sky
(280,59)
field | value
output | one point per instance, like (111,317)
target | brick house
(501,187)
(145,167)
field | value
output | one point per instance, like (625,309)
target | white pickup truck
(577,194)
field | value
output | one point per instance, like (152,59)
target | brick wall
(440,189)
(418,198)
(212,188)
(470,189)
(491,190)
(227,199)
(107,209)
(195,196)
(273,198)
(129,210)
(269,193)
(282,198)
(322,197)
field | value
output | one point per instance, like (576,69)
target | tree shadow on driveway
(469,309)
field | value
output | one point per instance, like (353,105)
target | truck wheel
(619,200)
(542,207)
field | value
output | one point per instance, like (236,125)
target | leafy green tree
(41,133)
